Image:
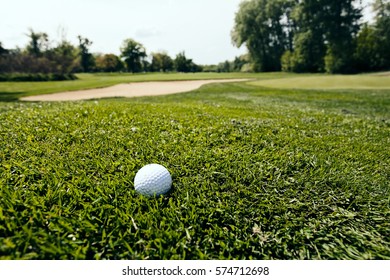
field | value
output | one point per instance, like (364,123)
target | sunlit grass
(329,82)
(257,174)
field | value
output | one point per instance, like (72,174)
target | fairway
(329,82)
(258,172)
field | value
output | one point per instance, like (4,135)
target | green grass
(329,82)
(257,174)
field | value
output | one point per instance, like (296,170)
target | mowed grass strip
(257,174)
(328,82)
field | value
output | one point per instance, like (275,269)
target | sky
(201,28)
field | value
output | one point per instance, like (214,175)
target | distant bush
(23,77)
(286,60)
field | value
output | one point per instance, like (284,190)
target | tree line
(313,35)
(40,61)
(289,35)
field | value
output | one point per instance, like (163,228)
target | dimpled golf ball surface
(152,180)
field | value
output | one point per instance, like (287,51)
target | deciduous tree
(2,50)
(86,58)
(161,61)
(366,55)
(309,46)
(39,42)
(184,64)
(341,22)
(65,58)
(382,32)
(133,54)
(266,29)
(108,63)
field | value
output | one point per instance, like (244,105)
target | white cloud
(147,33)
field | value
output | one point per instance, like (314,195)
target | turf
(257,174)
(328,82)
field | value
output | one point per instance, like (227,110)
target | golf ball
(152,180)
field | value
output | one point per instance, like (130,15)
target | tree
(382,32)
(373,41)
(287,61)
(341,20)
(133,54)
(4,59)
(225,66)
(64,58)
(86,58)
(161,62)
(3,51)
(366,55)
(309,46)
(266,28)
(39,42)
(38,61)
(308,54)
(108,63)
(183,64)
(325,34)
(239,63)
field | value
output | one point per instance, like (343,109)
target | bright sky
(201,28)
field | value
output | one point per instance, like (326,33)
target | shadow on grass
(10,96)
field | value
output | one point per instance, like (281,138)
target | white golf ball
(153,180)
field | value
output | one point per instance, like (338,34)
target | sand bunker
(128,90)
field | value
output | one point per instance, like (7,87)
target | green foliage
(161,62)
(259,24)
(108,63)
(257,174)
(286,60)
(325,40)
(307,36)
(38,43)
(184,64)
(366,55)
(133,54)
(64,58)
(341,29)
(309,46)
(3,51)
(334,63)
(225,67)
(237,65)
(40,58)
(20,77)
(382,27)
(308,55)
(373,41)
(87,61)
(239,62)
(233,66)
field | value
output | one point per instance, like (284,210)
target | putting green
(329,82)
